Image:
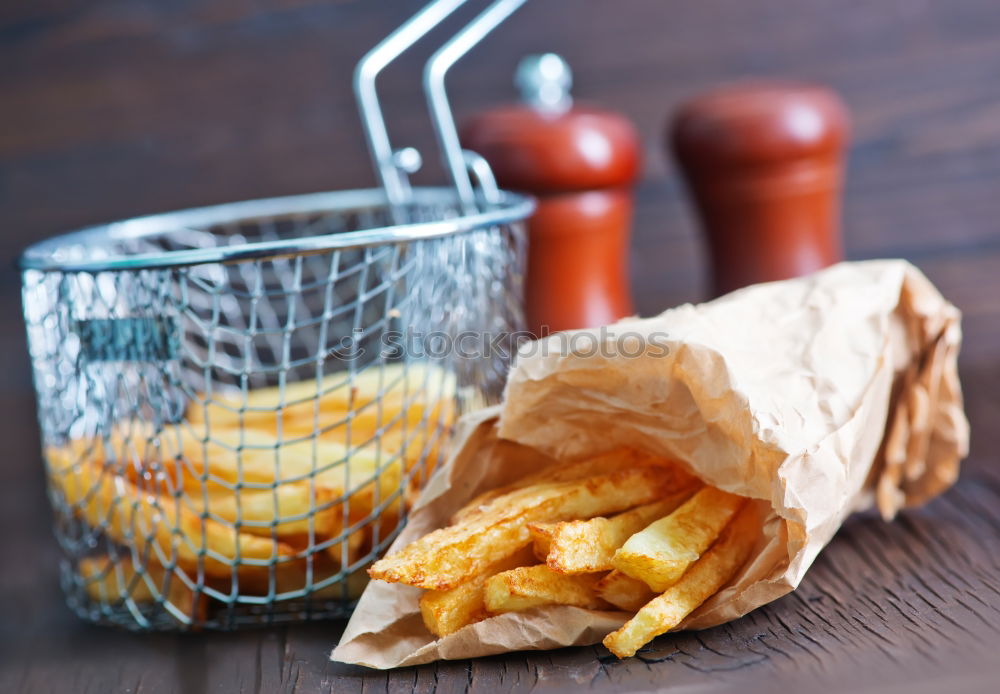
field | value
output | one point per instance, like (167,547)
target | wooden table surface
(110,108)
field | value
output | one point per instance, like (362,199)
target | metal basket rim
(41,256)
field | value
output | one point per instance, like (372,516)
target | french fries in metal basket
(281,494)
(623,531)
(130,516)
(112,581)
(371,399)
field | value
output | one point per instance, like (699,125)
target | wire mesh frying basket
(238,403)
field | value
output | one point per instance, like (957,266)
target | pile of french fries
(263,494)
(623,531)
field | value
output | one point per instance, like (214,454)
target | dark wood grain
(116,107)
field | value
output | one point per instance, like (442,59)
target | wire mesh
(234,443)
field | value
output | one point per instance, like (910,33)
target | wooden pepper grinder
(580,162)
(764,163)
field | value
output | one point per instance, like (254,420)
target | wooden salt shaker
(764,163)
(580,162)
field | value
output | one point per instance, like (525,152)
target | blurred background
(112,108)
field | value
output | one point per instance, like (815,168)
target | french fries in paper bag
(819,397)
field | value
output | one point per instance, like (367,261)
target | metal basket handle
(393,166)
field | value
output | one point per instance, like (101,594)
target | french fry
(187,454)
(368,476)
(559,472)
(183,453)
(533,586)
(446,611)
(623,591)
(286,510)
(264,460)
(448,556)
(353,426)
(290,509)
(285,507)
(588,546)
(133,517)
(373,394)
(372,471)
(259,462)
(703,579)
(661,553)
(541,538)
(116,581)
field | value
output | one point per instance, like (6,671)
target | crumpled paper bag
(818,396)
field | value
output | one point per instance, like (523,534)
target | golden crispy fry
(541,538)
(623,591)
(661,553)
(182,452)
(192,457)
(446,557)
(371,476)
(348,426)
(292,509)
(586,546)
(284,506)
(712,571)
(286,510)
(339,390)
(113,582)
(303,405)
(533,586)
(265,460)
(447,611)
(372,472)
(131,516)
(557,472)
(358,425)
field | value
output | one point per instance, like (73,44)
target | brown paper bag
(818,396)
